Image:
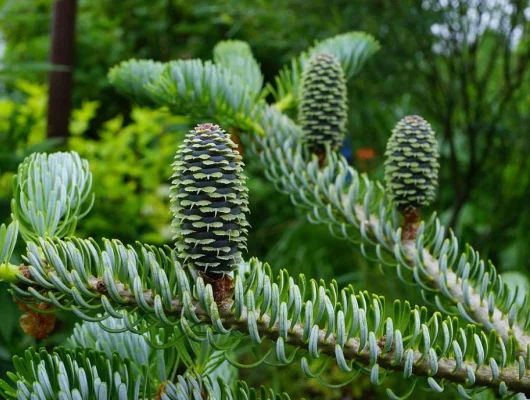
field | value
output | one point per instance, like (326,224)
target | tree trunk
(62,60)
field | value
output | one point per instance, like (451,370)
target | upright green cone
(209,201)
(411,165)
(323,107)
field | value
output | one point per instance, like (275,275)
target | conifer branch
(358,209)
(323,320)
(443,368)
(346,208)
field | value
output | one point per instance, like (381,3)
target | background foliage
(463,65)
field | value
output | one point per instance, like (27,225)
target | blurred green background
(462,65)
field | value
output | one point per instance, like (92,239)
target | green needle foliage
(51,192)
(82,374)
(237,56)
(411,165)
(140,73)
(479,339)
(209,200)
(8,238)
(72,374)
(322,110)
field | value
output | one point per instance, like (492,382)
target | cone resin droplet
(323,107)
(209,201)
(411,165)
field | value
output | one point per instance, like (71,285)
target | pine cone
(323,107)
(209,201)
(411,165)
